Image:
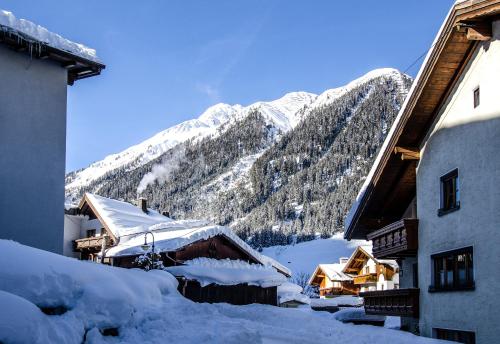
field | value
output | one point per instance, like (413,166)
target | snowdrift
(144,307)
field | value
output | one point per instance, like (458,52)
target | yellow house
(332,281)
(369,273)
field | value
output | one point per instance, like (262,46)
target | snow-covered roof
(174,235)
(366,251)
(8,21)
(227,272)
(128,223)
(333,271)
(122,218)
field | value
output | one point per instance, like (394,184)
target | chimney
(143,204)
(343,260)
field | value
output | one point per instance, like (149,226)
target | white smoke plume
(163,171)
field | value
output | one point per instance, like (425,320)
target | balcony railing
(395,302)
(397,240)
(363,279)
(91,243)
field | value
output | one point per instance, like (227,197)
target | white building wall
(72,228)
(75,227)
(467,139)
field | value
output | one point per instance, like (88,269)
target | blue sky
(167,61)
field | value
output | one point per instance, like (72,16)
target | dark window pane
(453,270)
(476,97)
(461,269)
(449,271)
(449,191)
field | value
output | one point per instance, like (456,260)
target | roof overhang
(86,205)
(78,67)
(391,184)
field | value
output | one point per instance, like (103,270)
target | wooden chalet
(113,232)
(431,199)
(369,273)
(331,280)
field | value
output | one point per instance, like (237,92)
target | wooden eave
(78,67)
(393,184)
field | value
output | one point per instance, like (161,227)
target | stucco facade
(467,139)
(32,150)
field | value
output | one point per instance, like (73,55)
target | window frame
(444,334)
(453,174)
(440,258)
(476,96)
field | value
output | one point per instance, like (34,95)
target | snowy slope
(302,258)
(284,114)
(145,307)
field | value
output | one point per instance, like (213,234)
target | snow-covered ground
(303,257)
(344,300)
(145,307)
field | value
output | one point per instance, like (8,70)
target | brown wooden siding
(240,294)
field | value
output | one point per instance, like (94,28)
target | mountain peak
(219,114)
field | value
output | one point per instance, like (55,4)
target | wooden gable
(218,247)
(357,261)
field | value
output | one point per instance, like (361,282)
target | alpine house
(36,66)
(211,263)
(431,198)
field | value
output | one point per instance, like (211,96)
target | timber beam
(408,153)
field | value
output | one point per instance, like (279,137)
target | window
(476,97)
(450,195)
(453,270)
(90,233)
(466,337)
(415,275)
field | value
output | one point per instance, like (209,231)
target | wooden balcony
(93,243)
(395,302)
(364,279)
(397,240)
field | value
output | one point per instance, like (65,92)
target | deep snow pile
(24,27)
(339,301)
(145,307)
(289,291)
(227,272)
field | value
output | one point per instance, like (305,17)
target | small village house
(369,273)
(35,68)
(211,263)
(331,280)
(431,199)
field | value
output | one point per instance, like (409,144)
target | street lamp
(145,247)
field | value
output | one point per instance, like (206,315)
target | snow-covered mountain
(283,113)
(274,171)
